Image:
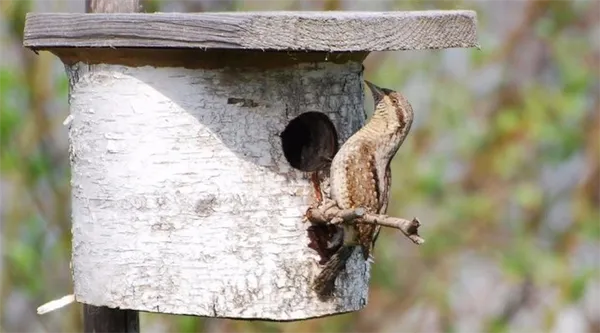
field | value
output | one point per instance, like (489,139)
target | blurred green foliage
(502,167)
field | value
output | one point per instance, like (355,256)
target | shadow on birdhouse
(309,143)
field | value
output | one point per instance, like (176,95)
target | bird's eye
(395,101)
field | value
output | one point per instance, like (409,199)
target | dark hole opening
(309,141)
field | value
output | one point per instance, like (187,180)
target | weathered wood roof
(278,31)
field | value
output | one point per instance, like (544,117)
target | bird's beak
(377,92)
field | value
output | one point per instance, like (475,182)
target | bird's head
(392,105)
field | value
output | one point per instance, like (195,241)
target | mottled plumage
(360,175)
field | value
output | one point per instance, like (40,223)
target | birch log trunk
(182,199)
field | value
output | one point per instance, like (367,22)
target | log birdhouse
(190,140)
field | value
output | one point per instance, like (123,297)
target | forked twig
(329,213)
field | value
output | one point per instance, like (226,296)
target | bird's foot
(371,259)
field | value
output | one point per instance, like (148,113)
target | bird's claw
(371,259)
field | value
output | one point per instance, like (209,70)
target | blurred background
(502,166)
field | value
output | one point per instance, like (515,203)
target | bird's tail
(325,282)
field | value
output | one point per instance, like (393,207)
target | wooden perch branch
(330,213)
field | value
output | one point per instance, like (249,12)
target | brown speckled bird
(360,176)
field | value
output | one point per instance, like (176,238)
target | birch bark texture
(182,199)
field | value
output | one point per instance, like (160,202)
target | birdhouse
(192,142)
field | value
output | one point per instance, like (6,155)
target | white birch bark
(184,204)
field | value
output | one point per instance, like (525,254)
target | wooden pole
(102,318)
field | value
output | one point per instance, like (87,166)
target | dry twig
(329,213)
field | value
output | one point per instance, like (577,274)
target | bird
(360,177)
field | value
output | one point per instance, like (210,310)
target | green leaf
(431,179)
(9,159)
(10,125)
(529,195)
(507,120)
(590,228)
(38,165)
(24,261)
(187,324)
(10,117)
(498,325)
(577,287)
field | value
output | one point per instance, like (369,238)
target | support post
(102,318)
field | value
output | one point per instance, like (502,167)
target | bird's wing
(384,199)
(362,180)
(384,195)
(363,190)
